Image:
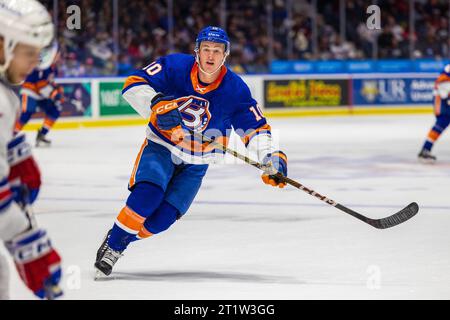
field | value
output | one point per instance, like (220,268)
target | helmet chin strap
(197,59)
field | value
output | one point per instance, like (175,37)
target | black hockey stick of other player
(403,215)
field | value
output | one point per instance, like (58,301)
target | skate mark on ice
(200,276)
(257,217)
(232,277)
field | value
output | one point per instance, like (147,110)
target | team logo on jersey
(195,112)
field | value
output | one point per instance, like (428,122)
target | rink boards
(97,102)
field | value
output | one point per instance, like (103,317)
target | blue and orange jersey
(443,77)
(442,90)
(40,84)
(212,109)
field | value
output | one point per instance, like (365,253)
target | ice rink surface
(242,239)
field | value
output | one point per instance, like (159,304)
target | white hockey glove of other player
(38,263)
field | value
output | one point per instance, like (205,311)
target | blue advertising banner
(357,66)
(392,91)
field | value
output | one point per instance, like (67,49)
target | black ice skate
(106,258)
(425,156)
(41,140)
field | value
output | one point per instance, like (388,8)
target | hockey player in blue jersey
(175,93)
(39,91)
(442,112)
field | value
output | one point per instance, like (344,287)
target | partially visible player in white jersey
(26,30)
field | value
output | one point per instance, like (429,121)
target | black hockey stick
(403,215)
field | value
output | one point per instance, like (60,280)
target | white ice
(242,239)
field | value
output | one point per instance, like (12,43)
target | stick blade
(403,215)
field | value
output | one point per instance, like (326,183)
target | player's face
(211,55)
(25,59)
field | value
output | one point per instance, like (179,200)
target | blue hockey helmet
(213,34)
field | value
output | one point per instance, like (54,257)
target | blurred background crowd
(117,36)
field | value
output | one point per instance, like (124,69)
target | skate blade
(99,276)
(427,161)
(42,145)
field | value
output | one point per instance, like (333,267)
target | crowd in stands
(143,32)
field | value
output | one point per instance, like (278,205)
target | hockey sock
(160,221)
(141,203)
(47,125)
(435,132)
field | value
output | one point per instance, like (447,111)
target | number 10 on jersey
(257,112)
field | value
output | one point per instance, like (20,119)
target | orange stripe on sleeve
(30,86)
(53,94)
(42,83)
(442,78)
(246,139)
(132,80)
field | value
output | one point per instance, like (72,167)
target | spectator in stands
(143,33)
(342,50)
(90,69)
(72,66)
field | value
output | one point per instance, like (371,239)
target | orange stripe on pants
(437,105)
(24,103)
(136,164)
(130,219)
